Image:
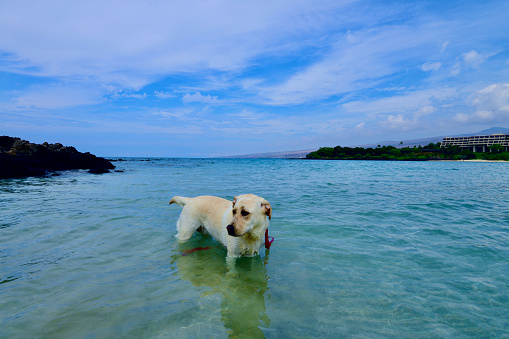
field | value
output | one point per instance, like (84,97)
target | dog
(239,225)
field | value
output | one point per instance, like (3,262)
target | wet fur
(247,217)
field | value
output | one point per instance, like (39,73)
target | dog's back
(203,213)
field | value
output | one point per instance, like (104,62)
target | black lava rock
(98,170)
(20,158)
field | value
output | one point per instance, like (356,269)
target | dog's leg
(186,227)
(230,266)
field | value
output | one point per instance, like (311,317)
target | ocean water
(362,249)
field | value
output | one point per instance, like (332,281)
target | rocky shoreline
(20,158)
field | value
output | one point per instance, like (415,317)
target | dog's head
(249,211)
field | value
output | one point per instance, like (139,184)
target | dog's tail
(181,201)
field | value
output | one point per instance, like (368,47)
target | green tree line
(431,151)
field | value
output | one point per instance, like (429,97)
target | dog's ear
(234,201)
(267,208)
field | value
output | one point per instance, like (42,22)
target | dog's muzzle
(231,230)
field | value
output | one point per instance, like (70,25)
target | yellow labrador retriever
(239,225)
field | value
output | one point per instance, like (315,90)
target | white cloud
(485,115)
(271,125)
(491,104)
(198,97)
(431,66)
(461,117)
(405,112)
(494,97)
(57,96)
(407,103)
(406,122)
(249,115)
(397,122)
(144,128)
(171,113)
(475,59)
(456,69)
(133,43)
(425,110)
(444,45)
(356,61)
(469,60)
(164,95)
(124,95)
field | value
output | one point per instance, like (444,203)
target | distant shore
(431,152)
(476,160)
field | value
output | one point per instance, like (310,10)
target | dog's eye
(244,213)
(234,212)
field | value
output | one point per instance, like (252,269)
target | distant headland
(20,158)
(475,147)
(429,152)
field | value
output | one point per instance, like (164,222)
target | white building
(477,143)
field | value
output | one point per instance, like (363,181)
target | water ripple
(362,249)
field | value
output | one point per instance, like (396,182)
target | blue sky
(213,78)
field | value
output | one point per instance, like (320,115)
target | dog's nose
(231,230)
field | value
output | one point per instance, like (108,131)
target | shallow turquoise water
(362,249)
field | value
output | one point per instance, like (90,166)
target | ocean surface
(362,249)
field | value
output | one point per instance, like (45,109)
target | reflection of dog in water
(239,225)
(242,293)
